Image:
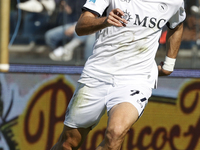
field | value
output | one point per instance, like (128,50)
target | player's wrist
(169,64)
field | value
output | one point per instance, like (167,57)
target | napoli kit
(122,67)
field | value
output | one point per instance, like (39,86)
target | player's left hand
(161,71)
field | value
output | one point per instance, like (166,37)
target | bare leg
(71,139)
(121,118)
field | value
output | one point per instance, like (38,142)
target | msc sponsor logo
(149,22)
(146,21)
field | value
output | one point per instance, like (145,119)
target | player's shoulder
(177,2)
(168,2)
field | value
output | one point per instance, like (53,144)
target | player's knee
(115,134)
(69,143)
(66,146)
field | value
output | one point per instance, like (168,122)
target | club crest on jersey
(162,7)
(92,1)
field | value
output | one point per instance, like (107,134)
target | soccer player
(121,73)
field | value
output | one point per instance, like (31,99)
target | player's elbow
(78,32)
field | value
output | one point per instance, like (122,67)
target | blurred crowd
(191,33)
(52,23)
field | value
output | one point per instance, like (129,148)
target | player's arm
(89,23)
(173,41)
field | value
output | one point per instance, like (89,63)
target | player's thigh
(121,117)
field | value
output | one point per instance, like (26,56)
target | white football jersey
(126,55)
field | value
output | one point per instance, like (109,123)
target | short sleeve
(177,18)
(97,6)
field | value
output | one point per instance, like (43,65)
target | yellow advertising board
(167,123)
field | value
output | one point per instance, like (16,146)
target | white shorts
(88,104)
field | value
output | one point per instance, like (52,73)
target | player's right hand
(115,18)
